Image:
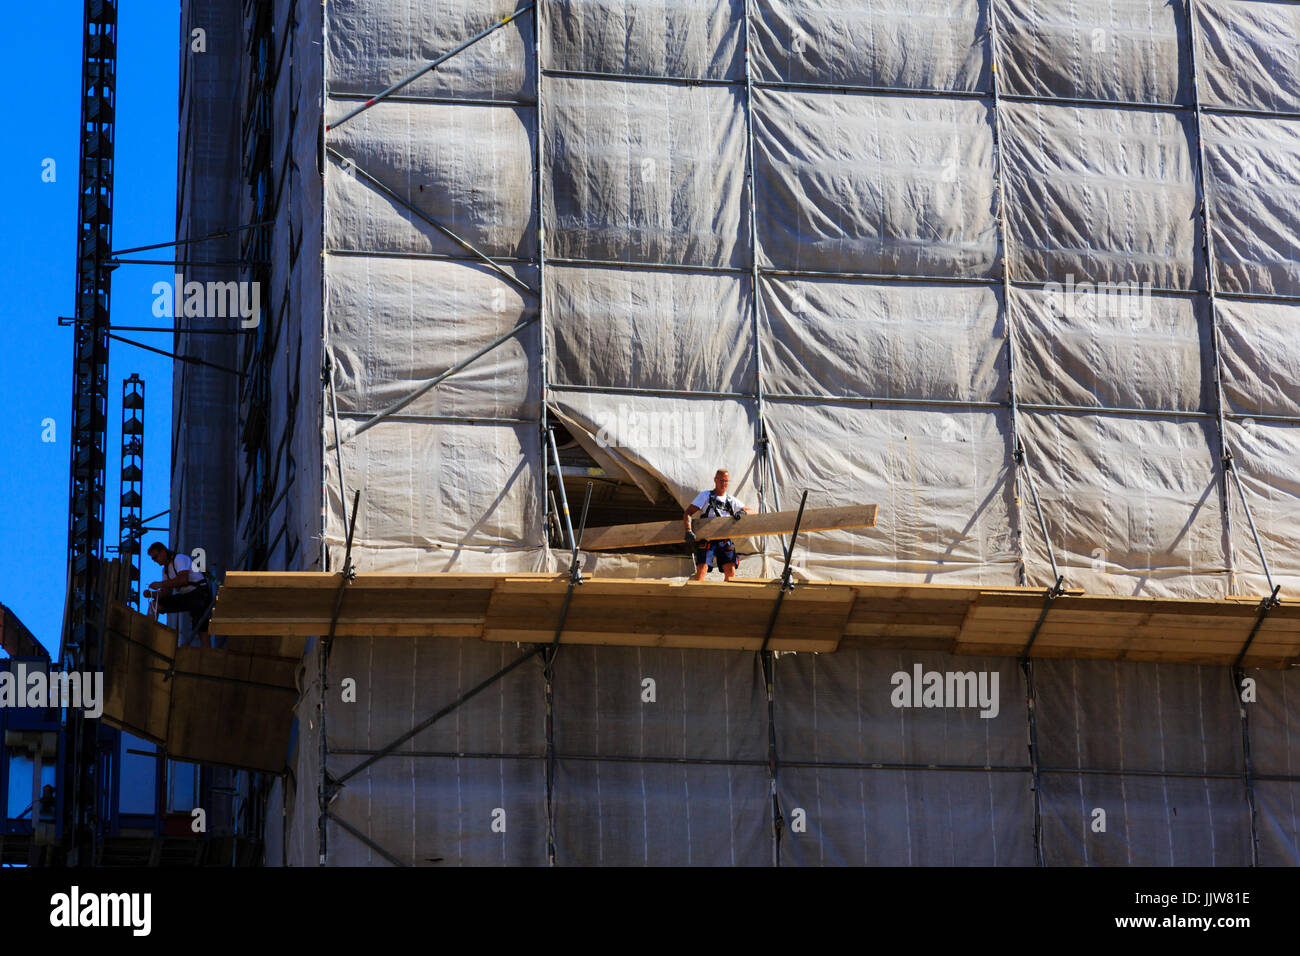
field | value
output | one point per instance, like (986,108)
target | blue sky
(40,60)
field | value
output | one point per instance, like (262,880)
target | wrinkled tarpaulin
(882,287)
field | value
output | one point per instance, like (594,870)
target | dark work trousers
(196,603)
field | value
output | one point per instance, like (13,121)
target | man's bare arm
(686,518)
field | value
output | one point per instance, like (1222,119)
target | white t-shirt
(720,503)
(179,563)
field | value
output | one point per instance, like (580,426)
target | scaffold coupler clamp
(1272,600)
(787,577)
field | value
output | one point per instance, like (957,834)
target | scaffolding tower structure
(131,486)
(840,236)
(81,645)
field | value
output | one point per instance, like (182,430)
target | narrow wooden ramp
(137,697)
(220,707)
(746,526)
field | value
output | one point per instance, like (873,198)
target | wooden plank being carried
(747,526)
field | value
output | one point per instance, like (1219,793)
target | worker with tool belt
(182,589)
(714,504)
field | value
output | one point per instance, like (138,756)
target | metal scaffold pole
(539,200)
(82,634)
(1211,284)
(763,470)
(131,487)
(1020,463)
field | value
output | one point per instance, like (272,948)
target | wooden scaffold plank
(746,526)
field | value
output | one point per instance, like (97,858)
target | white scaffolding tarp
(830,266)
(876,151)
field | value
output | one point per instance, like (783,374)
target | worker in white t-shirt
(713,504)
(182,589)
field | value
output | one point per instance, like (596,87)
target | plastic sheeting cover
(861,322)
(645,198)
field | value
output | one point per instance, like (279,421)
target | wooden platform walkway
(276,611)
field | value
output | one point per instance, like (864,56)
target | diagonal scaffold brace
(430,66)
(765,663)
(491,263)
(1272,600)
(1057,589)
(455,237)
(787,585)
(1236,673)
(551,650)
